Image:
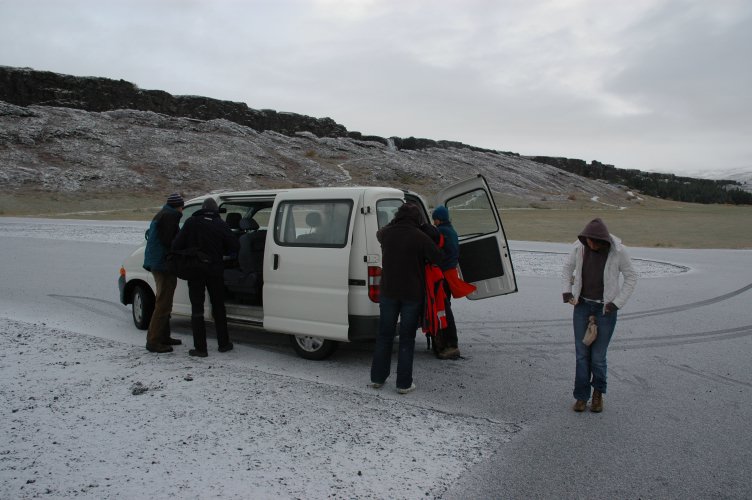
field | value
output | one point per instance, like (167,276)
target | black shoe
(172,341)
(197,353)
(225,348)
(158,348)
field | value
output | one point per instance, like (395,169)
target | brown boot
(579,405)
(596,405)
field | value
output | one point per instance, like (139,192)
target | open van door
(306,268)
(484,252)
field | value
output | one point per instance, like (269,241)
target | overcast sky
(663,85)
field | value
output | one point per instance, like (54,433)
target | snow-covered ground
(88,412)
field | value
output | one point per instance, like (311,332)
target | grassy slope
(655,223)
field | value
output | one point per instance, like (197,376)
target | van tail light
(122,272)
(374,283)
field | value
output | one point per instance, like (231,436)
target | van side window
(471,214)
(385,210)
(315,223)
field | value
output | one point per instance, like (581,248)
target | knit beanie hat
(175,200)
(440,213)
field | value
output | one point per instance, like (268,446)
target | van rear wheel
(314,348)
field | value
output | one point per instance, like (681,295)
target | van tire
(143,306)
(314,348)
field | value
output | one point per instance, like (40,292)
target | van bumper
(362,328)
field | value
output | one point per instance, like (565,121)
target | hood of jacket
(595,230)
(408,213)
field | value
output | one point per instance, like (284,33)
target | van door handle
(276,261)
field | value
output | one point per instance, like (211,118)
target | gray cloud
(651,84)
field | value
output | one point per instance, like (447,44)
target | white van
(316,263)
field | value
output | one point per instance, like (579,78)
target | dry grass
(655,223)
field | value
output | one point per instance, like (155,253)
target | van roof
(228,195)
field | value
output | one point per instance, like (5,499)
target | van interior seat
(233,220)
(247,280)
(313,221)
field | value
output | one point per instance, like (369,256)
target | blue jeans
(389,311)
(591,360)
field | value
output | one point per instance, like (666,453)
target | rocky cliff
(92,135)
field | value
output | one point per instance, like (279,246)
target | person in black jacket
(206,231)
(405,249)
(162,231)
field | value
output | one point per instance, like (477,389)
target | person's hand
(568,297)
(610,307)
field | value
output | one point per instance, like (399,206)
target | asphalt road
(677,412)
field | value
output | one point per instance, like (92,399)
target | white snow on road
(88,417)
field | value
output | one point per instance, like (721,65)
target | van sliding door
(306,265)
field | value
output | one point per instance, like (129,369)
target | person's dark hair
(210,204)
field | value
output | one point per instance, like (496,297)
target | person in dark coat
(162,231)
(405,249)
(450,260)
(206,231)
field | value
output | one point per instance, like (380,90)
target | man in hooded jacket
(206,231)
(405,248)
(162,231)
(590,280)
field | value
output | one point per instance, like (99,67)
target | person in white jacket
(591,282)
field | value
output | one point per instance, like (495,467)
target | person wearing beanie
(590,281)
(446,342)
(405,248)
(159,237)
(206,231)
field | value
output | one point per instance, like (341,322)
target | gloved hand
(568,297)
(609,308)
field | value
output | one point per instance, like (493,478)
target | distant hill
(85,134)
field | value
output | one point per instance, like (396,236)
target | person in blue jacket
(449,348)
(162,231)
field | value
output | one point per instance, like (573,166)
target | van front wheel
(314,348)
(143,306)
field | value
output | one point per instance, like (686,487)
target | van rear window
(314,223)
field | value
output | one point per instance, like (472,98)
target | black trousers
(450,332)
(215,285)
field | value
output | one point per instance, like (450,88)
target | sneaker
(197,353)
(406,390)
(375,385)
(596,405)
(172,341)
(225,348)
(161,348)
(450,353)
(579,405)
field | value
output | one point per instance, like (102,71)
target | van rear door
(484,260)
(306,263)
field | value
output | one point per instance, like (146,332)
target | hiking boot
(596,405)
(225,348)
(579,405)
(161,348)
(450,353)
(197,353)
(407,389)
(172,341)
(375,385)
